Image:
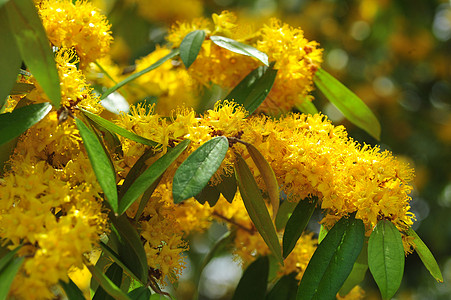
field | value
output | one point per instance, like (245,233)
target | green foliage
(141,293)
(190,47)
(256,207)
(31,40)
(114,273)
(358,271)
(71,289)
(195,172)
(253,283)
(7,273)
(239,48)
(284,289)
(386,258)
(332,261)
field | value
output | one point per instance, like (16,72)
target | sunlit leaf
(106,283)
(256,207)
(322,233)
(297,223)
(358,271)
(239,48)
(10,59)
(254,88)
(190,47)
(332,261)
(284,289)
(195,172)
(351,106)
(100,162)
(386,258)
(426,256)
(150,175)
(34,47)
(72,291)
(21,88)
(132,77)
(7,274)
(284,213)
(253,283)
(119,130)
(307,107)
(17,122)
(268,175)
(114,273)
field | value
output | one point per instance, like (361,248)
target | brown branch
(233,222)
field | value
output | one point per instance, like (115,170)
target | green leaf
(284,213)
(239,48)
(190,46)
(115,258)
(297,223)
(307,107)
(106,283)
(132,77)
(34,47)
(351,106)
(284,289)
(195,172)
(268,175)
(8,257)
(150,175)
(7,274)
(254,88)
(256,207)
(426,256)
(72,291)
(2,2)
(332,261)
(100,162)
(17,122)
(10,59)
(21,88)
(227,187)
(322,233)
(253,283)
(145,198)
(117,129)
(114,273)
(141,293)
(130,247)
(386,258)
(208,194)
(358,271)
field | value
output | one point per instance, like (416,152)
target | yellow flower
(77,25)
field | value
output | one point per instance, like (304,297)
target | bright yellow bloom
(77,25)
(357,293)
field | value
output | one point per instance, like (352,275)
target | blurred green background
(394,54)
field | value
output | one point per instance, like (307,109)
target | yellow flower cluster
(295,58)
(77,25)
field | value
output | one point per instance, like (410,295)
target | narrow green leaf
(130,247)
(21,88)
(239,48)
(190,46)
(332,261)
(284,289)
(10,59)
(100,162)
(115,258)
(195,172)
(141,293)
(322,233)
(254,88)
(253,283)
(307,107)
(256,207)
(386,258)
(7,275)
(117,129)
(106,283)
(112,142)
(132,77)
(426,256)
(34,47)
(72,291)
(227,187)
(297,223)
(114,273)
(150,175)
(358,271)
(351,106)
(208,194)
(145,198)
(284,213)
(268,175)
(17,122)
(3,2)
